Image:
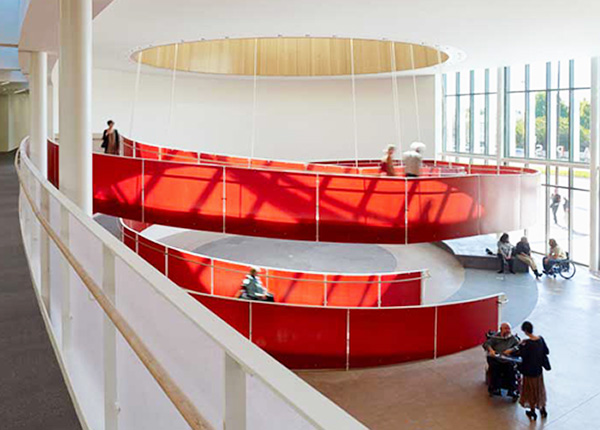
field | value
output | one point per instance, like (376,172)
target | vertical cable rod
(253,136)
(395,97)
(172,100)
(414,77)
(354,103)
(136,89)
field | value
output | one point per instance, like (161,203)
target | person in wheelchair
(253,289)
(556,255)
(502,372)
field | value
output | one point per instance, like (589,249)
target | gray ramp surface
(33,394)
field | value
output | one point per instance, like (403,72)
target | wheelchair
(565,268)
(511,388)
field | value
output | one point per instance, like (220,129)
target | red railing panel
(354,209)
(352,290)
(296,287)
(117,186)
(271,204)
(500,203)
(442,208)
(389,336)
(464,325)
(401,289)
(184,195)
(190,271)
(301,337)
(228,277)
(154,253)
(236,313)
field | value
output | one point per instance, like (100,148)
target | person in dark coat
(111,139)
(534,353)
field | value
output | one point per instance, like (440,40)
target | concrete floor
(449,393)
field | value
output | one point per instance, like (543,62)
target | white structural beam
(594,164)
(38,96)
(75,95)
(500,118)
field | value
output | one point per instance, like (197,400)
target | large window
(546,120)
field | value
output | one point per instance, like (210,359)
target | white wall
(296,119)
(14,120)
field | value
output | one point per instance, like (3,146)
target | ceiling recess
(291,56)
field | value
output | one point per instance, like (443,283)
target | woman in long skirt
(534,353)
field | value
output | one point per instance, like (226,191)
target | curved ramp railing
(313,206)
(221,277)
(138,352)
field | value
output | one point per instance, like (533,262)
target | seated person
(387,162)
(554,256)
(502,373)
(505,253)
(413,160)
(252,288)
(523,252)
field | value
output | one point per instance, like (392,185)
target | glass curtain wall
(546,127)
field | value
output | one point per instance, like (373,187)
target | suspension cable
(412,60)
(172,101)
(136,89)
(253,135)
(395,97)
(354,103)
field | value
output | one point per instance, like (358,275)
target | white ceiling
(489,33)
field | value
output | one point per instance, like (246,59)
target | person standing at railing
(111,140)
(413,160)
(253,289)
(387,162)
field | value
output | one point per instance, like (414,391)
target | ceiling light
(21,91)
(4,83)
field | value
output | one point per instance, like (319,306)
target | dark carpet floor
(33,394)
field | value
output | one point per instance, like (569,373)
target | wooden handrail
(179,399)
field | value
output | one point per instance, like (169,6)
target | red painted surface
(351,290)
(301,337)
(117,186)
(296,287)
(401,289)
(154,253)
(236,313)
(183,195)
(190,271)
(286,204)
(463,325)
(389,336)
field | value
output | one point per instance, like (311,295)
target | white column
(500,117)
(38,95)
(75,109)
(594,164)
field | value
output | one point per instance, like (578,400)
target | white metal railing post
(45,251)
(110,343)
(66,285)
(378,291)
(235,395)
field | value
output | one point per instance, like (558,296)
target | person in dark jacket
(523,252)
(111,139)
(502,373)
(534,353)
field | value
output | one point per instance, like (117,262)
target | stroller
(510,387)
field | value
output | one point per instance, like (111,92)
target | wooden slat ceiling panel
(287,56)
